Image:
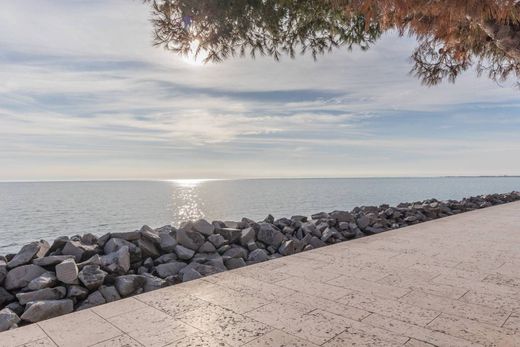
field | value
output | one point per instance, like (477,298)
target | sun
(197,60)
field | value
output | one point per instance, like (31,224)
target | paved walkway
(450,282)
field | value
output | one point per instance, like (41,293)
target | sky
(85,95)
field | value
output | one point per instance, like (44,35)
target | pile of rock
(43,281)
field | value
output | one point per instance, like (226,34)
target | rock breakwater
(73,273)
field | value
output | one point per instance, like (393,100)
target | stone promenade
(449,282)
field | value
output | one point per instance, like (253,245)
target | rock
(117,262)
(8,319)
(328,233)
(183,252)
(113,245)
(251,246)
(28,252)
(207,247)
(230,234)
(169,269)
(45,280)
(77,292)
(342,216)
(288,247)
(67,271)
(410,219)
(206,269)
(316,242)
(5,297)
(320,215)
(363,222)
(51,260)
(166,242)
(152,282)
(129,284)
(42,294)
(16,308)
(163,259)
(234,263)
(217,240)
(40,310)
(94,299)
(127,236)
(203,227)
(236,252)
(269,235)
(79,250)
(3,270)
(190,239)
(94,260)
(110,293)
(150,235)
(372,230)
(258,255)
(20,276)
(148,249)
(92,276)
(190,274)
(247,235)
(58,244)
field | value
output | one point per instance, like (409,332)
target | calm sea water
(45,210)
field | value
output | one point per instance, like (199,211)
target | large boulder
(288,247)
(110,293)
(67,271)
(51,260)
(3,270)
(167,242)
(127,236)
(184,253)
(232,235)
(202,226)
(152,283)
(129,284)
(217,240)
(342,216)
(169,269)
(8,319)
(39,310)
(258,255)
(20,276)
(76,292)
(94,299)
(148,248)
(207,247)
(32,250)
(42,294)
(45,280)
(117,262)
(363,221)
(190,274)
(114,244)
(5,297)
(190,239)
(234,263)
(235,252)
(79,250)
(247,236)
(92,276)
(269,235)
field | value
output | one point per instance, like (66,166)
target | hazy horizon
(85,96)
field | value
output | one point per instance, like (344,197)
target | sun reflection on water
(188,205)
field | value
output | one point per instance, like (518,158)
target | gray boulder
(258,255)
(235,252)
(288,247)
(148,248)
(316,242)
(232,235)
(28,252)
(117,262)
(163,259)
(110,293)
(207,247)
(51,260)
(8,319)
(42,294)
(45,280)
(269,235)
(234,263)
(190,239)
(169,269)
(3,270)
(184,253)
(77,292)
(94,299)
(190,274)
(79,250)
(92,276)
(247,236)
(166,242)
(39,310)
(152,283)
(363,222)
(20,276)
(203,227)
(342,216)
(217,240)
(127,236)
(113,245)
(5,297)
(67,271)
(129,284)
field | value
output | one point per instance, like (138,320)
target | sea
(45,210)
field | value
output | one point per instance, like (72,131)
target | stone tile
(411,282)
(506,303)
(277,338)
(513,322)
(236,330)
(45,342)
(119,341)
(204,318)
(366,336)
(478,286)
(251,286)
(118,307)
(152,327)
(416,332)
(82,328)
(417,343)
(173,302)
(304,271)
(315,288)
(199,340)
(390,308)
(21,336)
(483,334)
(369,287)
(233,300)
(475,312)
(503,280)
